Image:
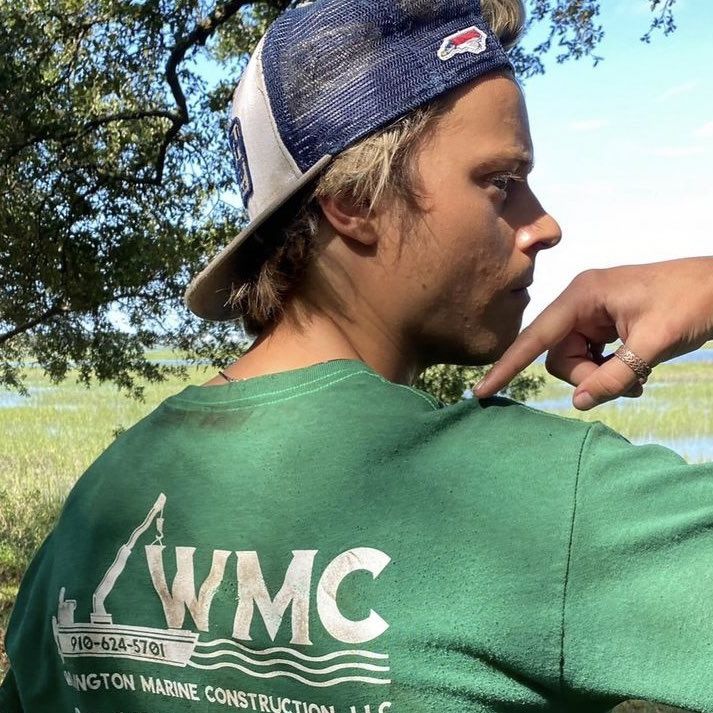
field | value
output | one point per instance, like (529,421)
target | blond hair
(378,168)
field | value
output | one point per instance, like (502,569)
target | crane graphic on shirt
(176,646)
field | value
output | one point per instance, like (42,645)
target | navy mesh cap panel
(338,70)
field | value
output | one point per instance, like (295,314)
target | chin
(482,353)
(487,346)
(471,345)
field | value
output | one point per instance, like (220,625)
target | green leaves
(448,382)
(110,180)
(663,18)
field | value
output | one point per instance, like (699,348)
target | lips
(525,281)
(521,289)
(520,292)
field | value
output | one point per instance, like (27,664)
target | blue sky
(623,150)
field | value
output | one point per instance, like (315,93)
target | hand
(659,311)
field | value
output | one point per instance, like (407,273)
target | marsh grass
(677,407)
(50,438)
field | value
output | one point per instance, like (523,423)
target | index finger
(550,327)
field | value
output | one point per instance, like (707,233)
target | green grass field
(677,406)
(51,437)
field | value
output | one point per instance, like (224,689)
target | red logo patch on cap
(471,39)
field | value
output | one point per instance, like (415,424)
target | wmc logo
(470,40)
(179,645)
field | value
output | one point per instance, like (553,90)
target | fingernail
(584,401)
(480,384)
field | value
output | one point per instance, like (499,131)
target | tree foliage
(449,383)
(113,166)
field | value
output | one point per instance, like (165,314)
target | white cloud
(656,226)
(705,131)
(589,124)
(678,90)
(677,151)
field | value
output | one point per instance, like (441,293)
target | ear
(350,220)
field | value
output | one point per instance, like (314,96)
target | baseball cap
(326,74)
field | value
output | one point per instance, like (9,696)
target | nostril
(555,240)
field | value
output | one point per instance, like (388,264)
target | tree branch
(55,311)
(198,36)
(204,28)
(83,31)
(89,126)
(664,20)
(64,308)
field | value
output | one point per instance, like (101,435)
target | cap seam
(262,88)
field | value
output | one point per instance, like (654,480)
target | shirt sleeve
(638,604)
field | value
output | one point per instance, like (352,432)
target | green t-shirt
(323,540)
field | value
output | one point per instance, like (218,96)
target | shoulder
(499,413)
(499,434)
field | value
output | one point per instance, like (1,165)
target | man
(317,535)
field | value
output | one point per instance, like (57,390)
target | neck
(304,337)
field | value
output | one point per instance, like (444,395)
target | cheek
(466,282)
(485,249)
(462,244)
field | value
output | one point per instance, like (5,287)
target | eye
(503,181)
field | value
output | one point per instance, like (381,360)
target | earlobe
(349,220)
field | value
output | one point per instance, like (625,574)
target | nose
(542,233)
(537,229)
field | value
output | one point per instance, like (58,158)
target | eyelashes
(503,181)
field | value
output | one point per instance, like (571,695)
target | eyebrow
(525,162)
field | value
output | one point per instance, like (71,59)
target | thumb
(610,380)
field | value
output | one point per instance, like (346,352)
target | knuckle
(609,386)
(584,280)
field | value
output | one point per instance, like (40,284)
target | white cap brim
(209,292)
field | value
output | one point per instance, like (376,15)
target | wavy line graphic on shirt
(240,652)
(293,652)
(287,662)
(101,637)
(290,674)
